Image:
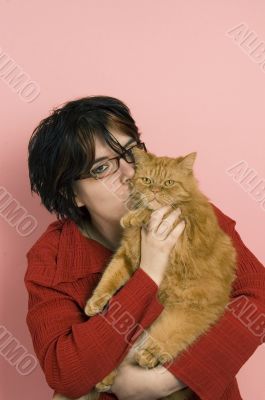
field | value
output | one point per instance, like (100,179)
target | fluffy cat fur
(201,269)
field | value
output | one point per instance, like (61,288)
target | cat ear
(140,155)
(188,161)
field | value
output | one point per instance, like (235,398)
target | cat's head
(159,181)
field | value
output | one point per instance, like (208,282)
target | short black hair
(62,147)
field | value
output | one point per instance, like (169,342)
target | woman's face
(106,198)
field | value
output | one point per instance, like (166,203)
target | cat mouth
(155,204)
(155,199)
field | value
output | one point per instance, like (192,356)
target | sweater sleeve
(76,352)
(213,360)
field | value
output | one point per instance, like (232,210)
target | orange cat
(197,283)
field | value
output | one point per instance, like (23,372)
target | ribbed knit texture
(75,352)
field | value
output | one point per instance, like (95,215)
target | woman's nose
(127,169)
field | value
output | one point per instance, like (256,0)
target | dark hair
(62,147)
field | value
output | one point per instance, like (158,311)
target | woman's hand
(136,383)
(157,240)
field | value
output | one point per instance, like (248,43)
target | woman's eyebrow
(131,140)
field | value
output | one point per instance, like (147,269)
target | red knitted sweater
(75,352)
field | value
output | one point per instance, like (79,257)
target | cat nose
(156,189)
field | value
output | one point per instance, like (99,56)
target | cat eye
(146,181)
(111,165)
(169,182)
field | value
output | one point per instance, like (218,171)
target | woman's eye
(169,182)
(100,169)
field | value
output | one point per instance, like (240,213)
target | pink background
(190,87)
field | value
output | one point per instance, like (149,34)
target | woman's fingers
(167,223)
(177,231)
(157,218)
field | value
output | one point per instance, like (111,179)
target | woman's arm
(75,352)
(212,362)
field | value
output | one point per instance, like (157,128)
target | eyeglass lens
(109,167)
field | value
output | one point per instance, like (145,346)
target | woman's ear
(77,199)
(78,202)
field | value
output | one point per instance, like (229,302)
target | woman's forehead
(103,149)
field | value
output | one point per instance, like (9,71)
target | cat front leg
(116,275)
(172,332)
(149,351)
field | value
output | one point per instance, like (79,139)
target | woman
(80,164)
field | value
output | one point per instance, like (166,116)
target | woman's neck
(109,232)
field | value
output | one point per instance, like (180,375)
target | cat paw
(124,223)
(128,221)
(151,355)
(96,304)
(102,387)
(107,382)
(146,359)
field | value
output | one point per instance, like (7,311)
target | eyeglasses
(110,166)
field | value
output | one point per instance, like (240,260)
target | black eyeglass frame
(123,156)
